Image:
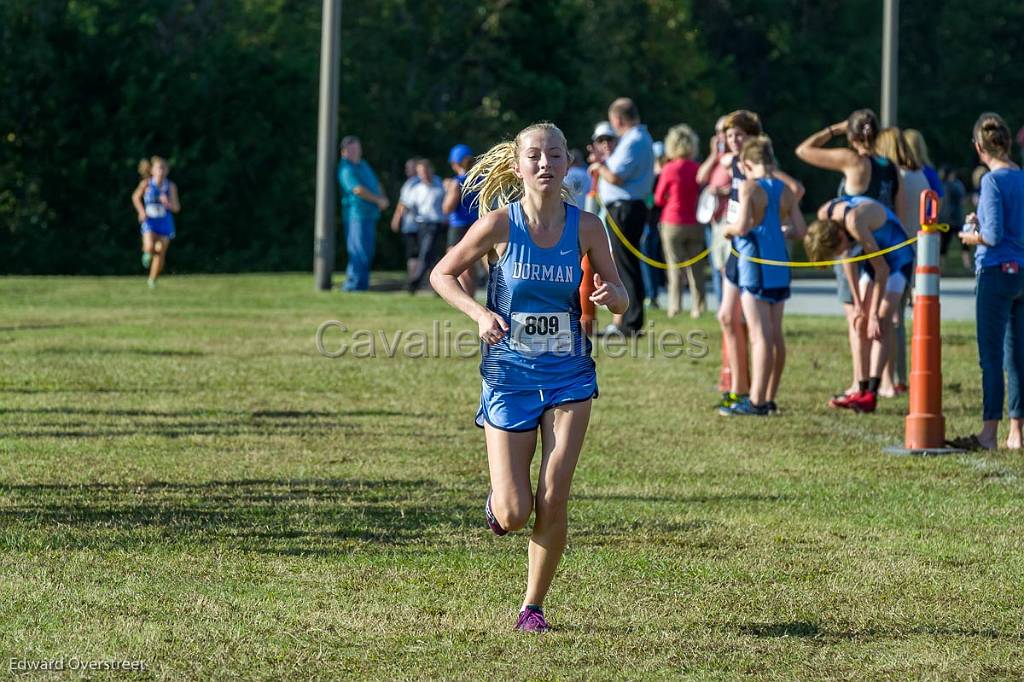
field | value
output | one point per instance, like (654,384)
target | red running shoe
(844,401)
(865,401)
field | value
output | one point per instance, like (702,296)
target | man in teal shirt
(361,203)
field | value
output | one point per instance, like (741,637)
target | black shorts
(455,235)
(774,295)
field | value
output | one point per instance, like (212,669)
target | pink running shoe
(531,619)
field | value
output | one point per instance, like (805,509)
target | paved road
(818,297)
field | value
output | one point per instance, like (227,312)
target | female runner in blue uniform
(155,200)
(739,126)
(536,364)
(877,284)
(765,204)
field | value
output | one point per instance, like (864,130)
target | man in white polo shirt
(625,180)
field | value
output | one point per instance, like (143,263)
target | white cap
(603,129)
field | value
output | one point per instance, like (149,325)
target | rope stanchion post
(925,427)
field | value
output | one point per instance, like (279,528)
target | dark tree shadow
(88,422)
(146,352)
(276,516)
(808,630)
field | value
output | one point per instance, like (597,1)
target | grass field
(185,480)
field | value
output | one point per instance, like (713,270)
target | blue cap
(659,149)
(458,153)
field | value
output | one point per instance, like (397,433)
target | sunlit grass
(185,480)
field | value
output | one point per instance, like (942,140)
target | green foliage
(228,91)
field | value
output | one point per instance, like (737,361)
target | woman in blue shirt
(999,312)
(535,357)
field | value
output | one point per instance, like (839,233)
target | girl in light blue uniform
(765,240)
(156,201)
(544,361)
(765,202)
(536,365)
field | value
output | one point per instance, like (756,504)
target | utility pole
(890,62)
(326,148)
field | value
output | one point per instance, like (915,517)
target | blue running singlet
(537,292)
(159,219)
(765,241)
(889,234)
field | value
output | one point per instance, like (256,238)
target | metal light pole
(890,62)
(326,148)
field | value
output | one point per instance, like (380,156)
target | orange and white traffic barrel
(925,427)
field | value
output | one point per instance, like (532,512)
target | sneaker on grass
(531,619)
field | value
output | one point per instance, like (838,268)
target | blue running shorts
(518,409)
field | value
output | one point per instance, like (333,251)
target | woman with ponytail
(866,174)
(155,200)
(998,233)
(892,144)
(535,357)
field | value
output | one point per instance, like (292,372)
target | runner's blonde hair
(758,150)
(493,176)
(146,166)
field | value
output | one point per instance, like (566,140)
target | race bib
(155,211)
(536,333)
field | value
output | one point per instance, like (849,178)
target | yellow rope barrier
(823,263)
(640,254)
(753,259)
(839,261)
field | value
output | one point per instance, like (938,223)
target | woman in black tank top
(864,174)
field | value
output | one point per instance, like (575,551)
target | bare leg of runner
(730,318)
(508,457)
(758,316)
(563,429)
(159,256)
(855,346)
(880,348)
(778,351)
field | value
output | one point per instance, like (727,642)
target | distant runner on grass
(155,200)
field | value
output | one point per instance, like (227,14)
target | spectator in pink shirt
(681,235)
(718,178)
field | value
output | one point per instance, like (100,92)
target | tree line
(227,91)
